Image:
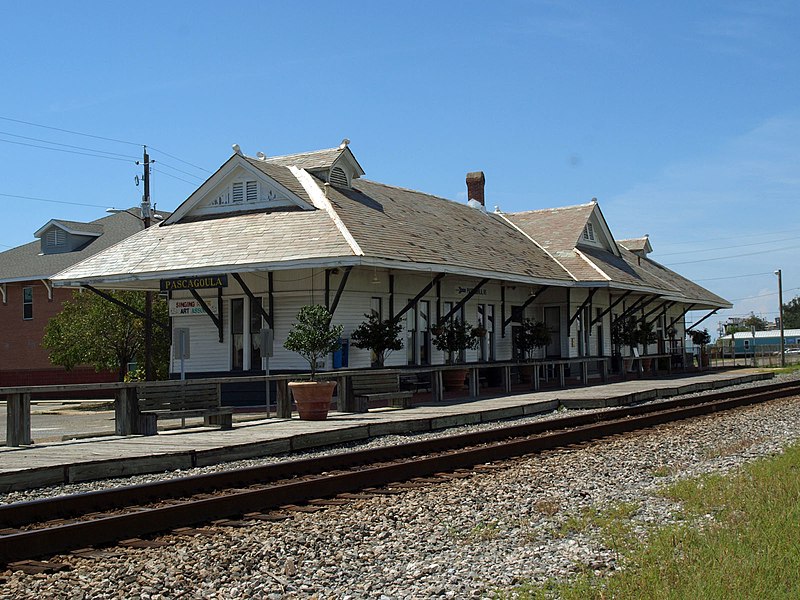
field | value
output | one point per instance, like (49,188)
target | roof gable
(242,185)
(71,227)
(596,232)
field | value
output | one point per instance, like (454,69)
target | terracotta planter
(313,398)
(526,374)
(454,379)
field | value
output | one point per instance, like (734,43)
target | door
(552,318)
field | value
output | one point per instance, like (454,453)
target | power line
(735,276)
(52,201)
(67,145)
(97,137)
(180,160)
(688,262)
(163,164)
(175,177)
(729,247)
(735,237)
(67,151)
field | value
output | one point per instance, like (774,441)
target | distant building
(742,343)
(28,300)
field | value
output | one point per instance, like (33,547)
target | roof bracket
(4,293)
(463,301)
(338,296)
(127,307)
(413,302)
(525,304)
(267,316)
(217,319)
(680,316)
(713,312)
(609,309)
(581,307)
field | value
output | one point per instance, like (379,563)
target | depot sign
(198,282)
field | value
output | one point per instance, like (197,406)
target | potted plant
(381,337)
(625,332)
(454,337)
(702,339)
(645,337)
(313,337)
(529,336)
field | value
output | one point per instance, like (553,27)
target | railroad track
(53,526)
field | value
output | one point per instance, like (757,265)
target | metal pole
(148,295)
(780,313)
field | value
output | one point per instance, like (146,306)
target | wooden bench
(379,387)
(181,400)
(416,382)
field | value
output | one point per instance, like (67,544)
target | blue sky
(682,118)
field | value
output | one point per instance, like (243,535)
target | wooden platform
(112,456)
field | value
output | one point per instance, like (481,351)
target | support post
(474,383)
(18,419)
(126,411)
(283,408)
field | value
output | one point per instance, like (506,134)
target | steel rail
(145,521)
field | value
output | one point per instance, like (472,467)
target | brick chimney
(475,184)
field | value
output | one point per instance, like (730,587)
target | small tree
(454,337)
(625,331)
(700,338)
(382,337)
(645,334)
(90,330)
(312,336)
(530,335)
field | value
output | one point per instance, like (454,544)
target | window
(376,307)
(411,330)
(239,192)
(255,333)
(423,331)
(27,303)
(588,232)
(237,334)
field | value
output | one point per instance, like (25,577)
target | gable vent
(237,191)
(588,232)
(338,177)
(56,237)
(252,191)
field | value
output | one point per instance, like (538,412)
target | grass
(740,538)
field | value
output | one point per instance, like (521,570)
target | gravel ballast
(464,538)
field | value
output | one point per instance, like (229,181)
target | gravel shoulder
(465,538)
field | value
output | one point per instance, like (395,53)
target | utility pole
(148,295)
(780,314)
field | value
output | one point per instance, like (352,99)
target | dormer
(59,237)
(336,166)
(639,246)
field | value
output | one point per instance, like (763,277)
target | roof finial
(594,200)
(261,156)
(236,148)
(344,144)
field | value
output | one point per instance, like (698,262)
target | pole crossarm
(581,307)
(712,313)
(525,304)
(413,302)
(680,316)
(463,301)
(613,305)
(267,317)
(121,304)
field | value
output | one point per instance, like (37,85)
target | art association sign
(189,306)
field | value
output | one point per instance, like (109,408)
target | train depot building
(264,236)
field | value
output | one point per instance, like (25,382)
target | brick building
(28,300)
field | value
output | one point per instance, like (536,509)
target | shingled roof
(27,262)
